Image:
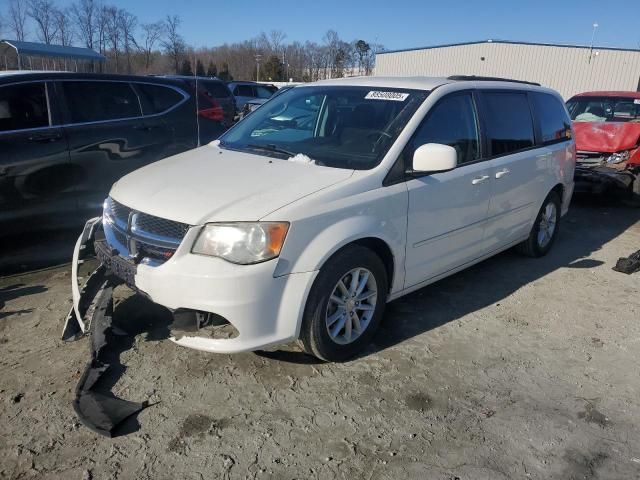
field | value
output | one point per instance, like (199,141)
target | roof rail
(474,78)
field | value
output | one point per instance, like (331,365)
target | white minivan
(331,200)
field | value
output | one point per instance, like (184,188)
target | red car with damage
(607,135)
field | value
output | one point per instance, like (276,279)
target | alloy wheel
(351,306)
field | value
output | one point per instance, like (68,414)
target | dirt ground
(516,368)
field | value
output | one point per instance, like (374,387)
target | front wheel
(544,230)
(345,305)
(635,191)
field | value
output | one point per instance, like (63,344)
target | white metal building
(569,69)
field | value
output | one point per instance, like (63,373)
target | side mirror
(433,158)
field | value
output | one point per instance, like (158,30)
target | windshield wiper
(269,147)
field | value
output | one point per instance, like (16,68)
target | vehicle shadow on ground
(10,292)
(28,252)
(590,224)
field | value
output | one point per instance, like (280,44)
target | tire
(324,315)
(538,244)
(635,191)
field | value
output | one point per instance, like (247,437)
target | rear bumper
(264,309)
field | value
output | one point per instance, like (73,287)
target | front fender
(379,214)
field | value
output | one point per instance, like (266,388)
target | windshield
(604,109)
(342,127)
(265,92)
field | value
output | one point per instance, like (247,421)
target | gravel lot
(516,368)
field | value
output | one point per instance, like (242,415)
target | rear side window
(508,120)
(99,101)
(23,106)
(216,90)
(554,122)
(452,122)
(158,98)
(244,91)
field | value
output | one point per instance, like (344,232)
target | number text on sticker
(394,96)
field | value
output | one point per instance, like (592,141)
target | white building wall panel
(565,69)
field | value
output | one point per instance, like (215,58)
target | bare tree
(332,41)
(276,40)
(101,28)
(151,35)
(128,23)
(17,18)
(64,27)
(85,15)
(44,13)
(173,42)
(113,32)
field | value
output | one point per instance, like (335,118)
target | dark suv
(215,101)
(65,138)
(252,93)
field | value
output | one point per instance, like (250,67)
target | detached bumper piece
(628,265)
(98,411)
(76,323)
(92,313)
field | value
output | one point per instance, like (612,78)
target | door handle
(51,137)
(479,179)
(502,173)
(146,128)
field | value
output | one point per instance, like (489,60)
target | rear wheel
(544,230)
(345,305)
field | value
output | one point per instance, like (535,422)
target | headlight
(242,242)
(618,157)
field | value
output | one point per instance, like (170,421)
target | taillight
(210,108)
(213,113)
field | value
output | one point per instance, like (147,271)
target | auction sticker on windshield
(637,101)
(395,96)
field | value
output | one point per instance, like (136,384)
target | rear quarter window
(244,91)
(509,122)
(158,98)
(217,90)
(554,123)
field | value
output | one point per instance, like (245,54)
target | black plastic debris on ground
(97,408)
(628,265)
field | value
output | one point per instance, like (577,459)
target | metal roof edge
(48,50)
(511,42)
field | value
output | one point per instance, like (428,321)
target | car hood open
(210,184)
(606,137)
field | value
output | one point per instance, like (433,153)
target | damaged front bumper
(599,177)
(265,310)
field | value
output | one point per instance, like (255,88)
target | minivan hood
(606,137)
(210,184)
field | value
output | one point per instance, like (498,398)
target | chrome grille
(120,237)
(140,235)
(161,226)
(590,157)
(119,211)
